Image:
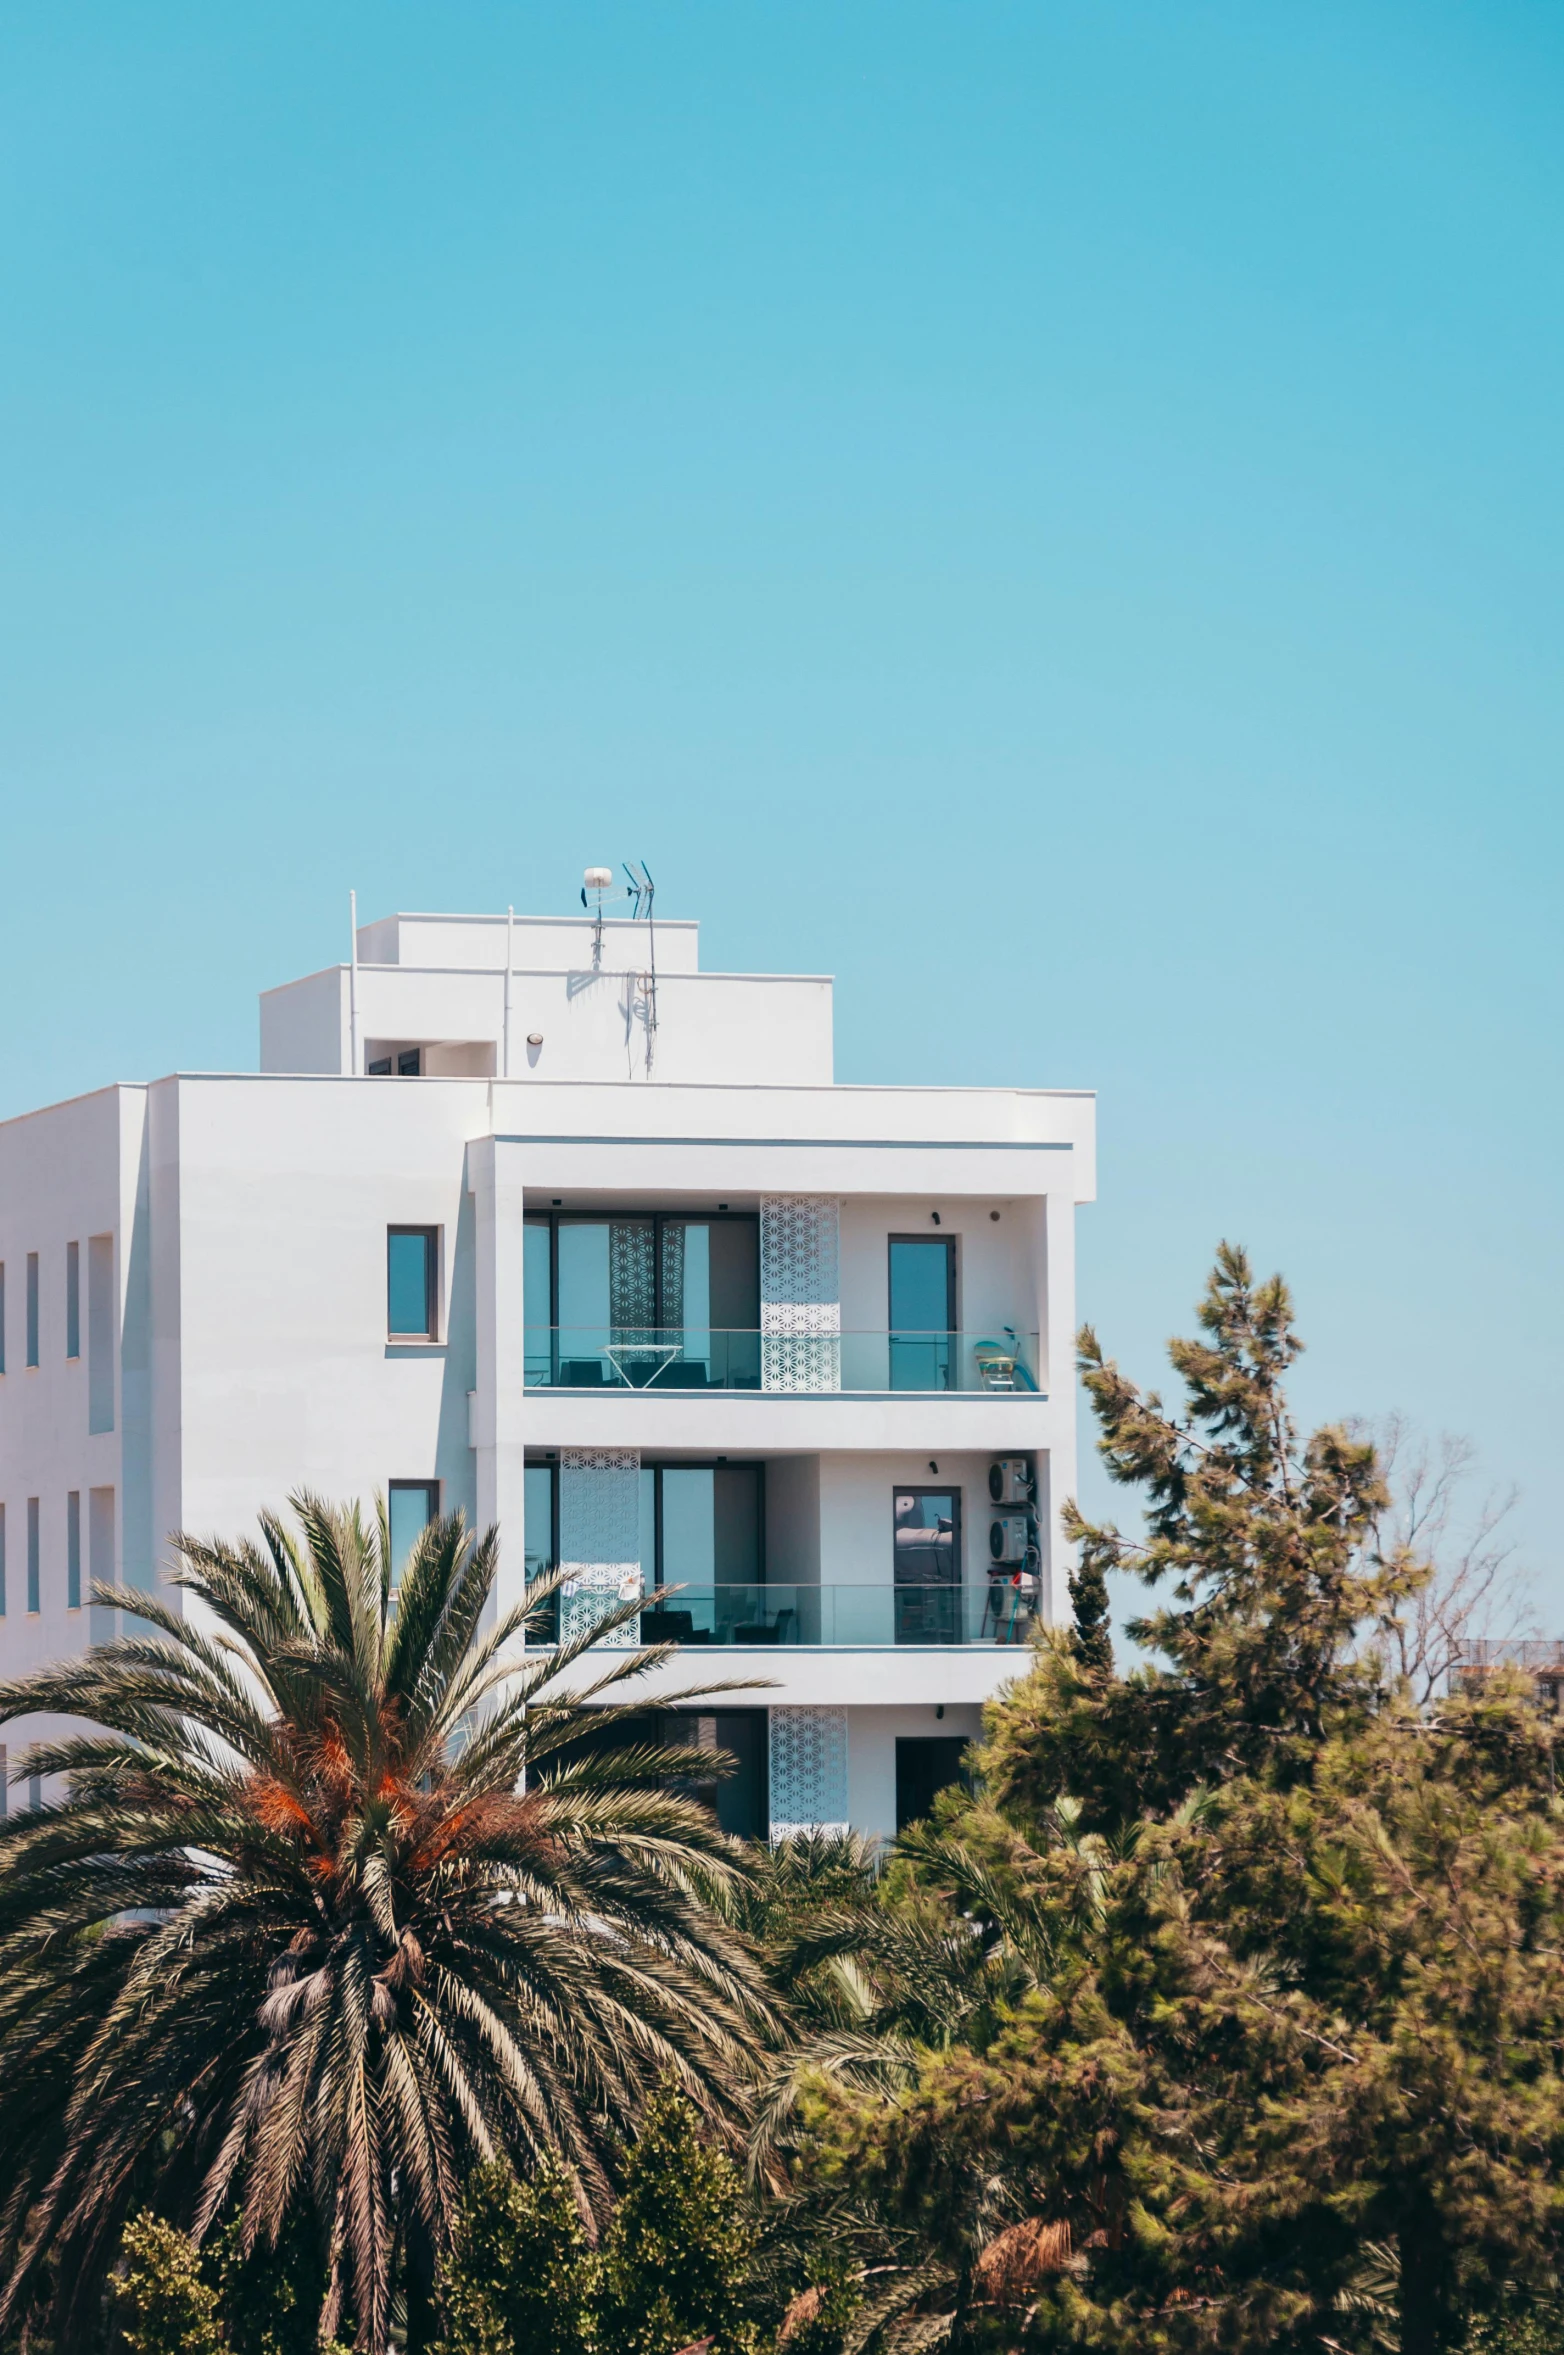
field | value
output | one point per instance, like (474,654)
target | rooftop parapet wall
(541,944)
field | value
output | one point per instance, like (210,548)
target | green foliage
(519,2278)
(334,1906)
(834,2300)
(1262,1995)
(1267,1547)
(167,2307)
(676,2259)
(270,2298)
(1091,1638)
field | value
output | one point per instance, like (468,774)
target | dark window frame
(658,1466)
(656,1220)
(431,1331)
(911,1589)
(932,1488)
(431,1495)
(549,1633)
(661,1464)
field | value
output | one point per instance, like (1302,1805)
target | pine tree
(1285,2044)
(676,2257)
(1266,1544)
(1091,1638)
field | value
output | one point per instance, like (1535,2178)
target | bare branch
(1474,1588)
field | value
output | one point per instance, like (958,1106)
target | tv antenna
(643,892)
(599,881)
(597,892)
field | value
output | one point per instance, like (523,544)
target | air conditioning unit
(1010,1481)
(1010,1538)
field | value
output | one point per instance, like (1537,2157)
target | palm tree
(337,1902)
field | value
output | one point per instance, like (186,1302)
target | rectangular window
(412,1260)
(925,1766)
(34,1574)
(927,1565)
(410,1506)
(32,1308)
(73,1300)
(659,1298)
(101,1327)
(35,1792)
(702,1530)
(540,1498)
(73,1550)
(100,1560)
(537,1299)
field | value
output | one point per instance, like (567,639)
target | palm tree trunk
(1428,2323)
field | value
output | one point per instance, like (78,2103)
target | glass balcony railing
(661,1357)
(1001,1610)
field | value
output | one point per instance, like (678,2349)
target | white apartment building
(535,1218)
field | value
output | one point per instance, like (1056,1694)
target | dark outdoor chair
(667,1627)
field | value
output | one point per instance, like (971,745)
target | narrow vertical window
(101,1323)
(2,1316)
(35,1792)
(411,1506)
(73,1300)
(540,1508)
(34,1576)
(73,1550)
(100,1561)
(411,1261)
(2,1561)
(32,1308)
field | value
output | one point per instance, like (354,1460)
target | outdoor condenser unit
(1010,1537)
(1010,1481)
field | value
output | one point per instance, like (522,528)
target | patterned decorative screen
(632,1277)
(808,1771)
(800,1293)
(599,1540)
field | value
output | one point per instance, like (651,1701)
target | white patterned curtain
(800,1292)
(599,1541)
(808,1771)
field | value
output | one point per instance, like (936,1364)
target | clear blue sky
(1051,512)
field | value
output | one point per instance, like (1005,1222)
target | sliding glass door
(636,1300)
(923,1312)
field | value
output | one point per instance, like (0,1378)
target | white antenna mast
(599,881)
(644,893)
(353,982)
(510,920)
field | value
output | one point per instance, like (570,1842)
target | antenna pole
(651,978)
(510,919)
(353,982)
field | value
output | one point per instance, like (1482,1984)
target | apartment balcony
(743,1389)
(779,1363)
(991,1612)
